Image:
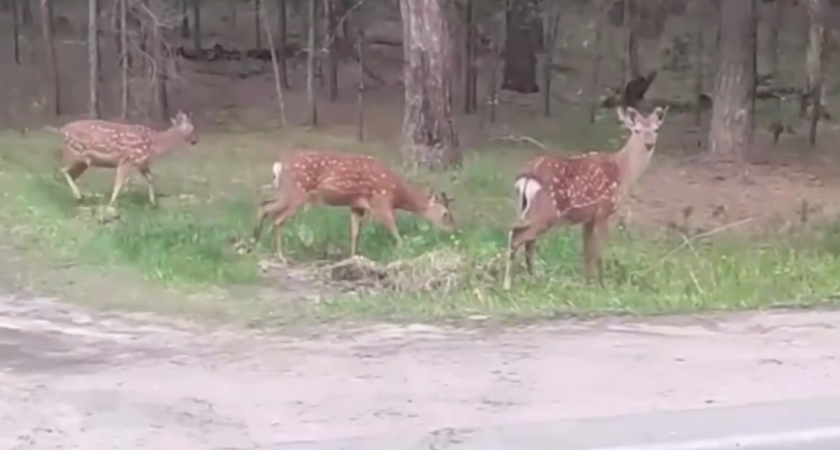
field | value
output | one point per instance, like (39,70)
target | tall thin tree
(310,64)
(93,59)
(49,47)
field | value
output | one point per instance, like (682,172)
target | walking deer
(99,143)
(582,190)
(359,182)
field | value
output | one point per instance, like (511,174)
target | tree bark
(196,25)
(733,115)
(16,31)
(430,138)
(310,64)
(93,59)
(49,46)
(281,43)
(813,61)
(523,36)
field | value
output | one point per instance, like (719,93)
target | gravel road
(75,379)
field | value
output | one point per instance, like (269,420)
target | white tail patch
(526,189)
(277,169)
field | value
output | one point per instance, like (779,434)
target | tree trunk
(281,43)
(185,20)
(310,64)
(257,24)
(93,59)
(430,138)
(814,56)
(196,25)
(331,37)
(26,12)
(124,60)
(49,46)
(733,115)
(16,31)
(776,22)
(469,66)
(522,40)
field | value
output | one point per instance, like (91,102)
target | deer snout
(649,146)
(193,139)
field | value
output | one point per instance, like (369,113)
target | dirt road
(75,379)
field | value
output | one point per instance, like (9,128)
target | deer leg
(590,249)
(356,216)
(72,173)
(147,175)
(529,256)
(601,234)
(278,224)
(386,217)
(267,207)
(119,181)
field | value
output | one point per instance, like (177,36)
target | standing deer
(99,143)
(585,190)
(359,182)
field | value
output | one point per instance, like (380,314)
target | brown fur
(359,182)
(582,190)
(99,143)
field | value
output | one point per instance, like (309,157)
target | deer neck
(167,140)
(632,159)
(409,199)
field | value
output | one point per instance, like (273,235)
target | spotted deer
(99,143)
(581,190)
(359,182)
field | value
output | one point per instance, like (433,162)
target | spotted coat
(578,188)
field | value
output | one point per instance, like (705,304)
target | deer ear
(660,113)
(445,199)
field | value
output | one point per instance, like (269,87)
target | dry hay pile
(441,270)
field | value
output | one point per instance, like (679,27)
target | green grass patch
(209,198)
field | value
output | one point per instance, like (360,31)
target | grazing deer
(585,190)
(99,143)
(359,182)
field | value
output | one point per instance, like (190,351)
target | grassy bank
(184,247)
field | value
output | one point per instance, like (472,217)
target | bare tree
(470,71)
(814,57)
(93,59)
(26,12)
(278,85)
(552,30)
(49,47)
(698,61)
(331,47)
(16,31)
(632,68)
(196,25)
(360,99)
(596,66)
(310,64)
(523,36)
(733,115)
(776,23)
(257,23)
(430,138)
(124,63)
(281,42)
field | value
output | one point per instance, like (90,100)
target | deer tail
(527,188)
(277,170)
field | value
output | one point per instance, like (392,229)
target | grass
(183,248)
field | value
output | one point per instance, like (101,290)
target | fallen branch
(519,140)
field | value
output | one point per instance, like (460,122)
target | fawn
(359,182)
(99,143)
(585,190)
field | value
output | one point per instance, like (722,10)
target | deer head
(644,129)
(183,124)
(438,212)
